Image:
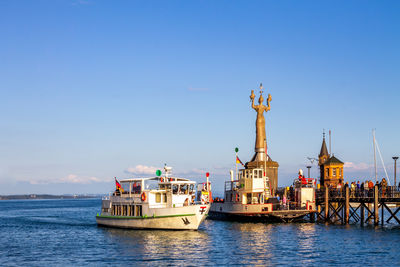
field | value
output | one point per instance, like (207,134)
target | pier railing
(390,192)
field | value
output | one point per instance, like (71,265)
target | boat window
(191,189)
(175,189)
(162,186)
(136,188)
(125,210)
(164,198)
(138,210)
(158,197)
(184,189)
(255,174)
(132,210)
(125,187)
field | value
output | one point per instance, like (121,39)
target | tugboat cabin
(252,187)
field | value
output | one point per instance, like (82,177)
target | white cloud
(357,166)
(69,179)
(142,169)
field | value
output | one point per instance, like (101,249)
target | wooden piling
(347,203)
(369,213)
(382,217)
(326,203)
(362,211)
(376,203)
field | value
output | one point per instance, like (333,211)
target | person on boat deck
(117,192)
(302,179)
(136,188)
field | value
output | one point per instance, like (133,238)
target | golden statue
(260,122)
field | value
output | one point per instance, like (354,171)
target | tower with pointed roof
(331,168)
(322,158)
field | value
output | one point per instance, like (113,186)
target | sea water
(64,232)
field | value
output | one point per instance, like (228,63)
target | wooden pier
(348,205)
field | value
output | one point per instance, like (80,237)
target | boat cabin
(251,187)
(157,192)
(304,192)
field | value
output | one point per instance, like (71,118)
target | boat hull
(183,218)
(254,213)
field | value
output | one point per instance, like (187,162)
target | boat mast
(376,172)
(383,163)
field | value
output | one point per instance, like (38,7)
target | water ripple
(64,232)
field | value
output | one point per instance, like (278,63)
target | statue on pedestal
(260,121)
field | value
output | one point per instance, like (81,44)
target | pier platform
(358,206)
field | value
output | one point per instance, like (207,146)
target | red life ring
(143,196)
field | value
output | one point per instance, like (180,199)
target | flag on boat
(118,185)
(239,161)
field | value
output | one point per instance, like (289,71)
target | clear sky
(91,89)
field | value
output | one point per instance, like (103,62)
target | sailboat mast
(376,172)
(330,142)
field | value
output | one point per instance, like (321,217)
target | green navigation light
(158,173)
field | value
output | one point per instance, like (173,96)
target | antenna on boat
(167,170)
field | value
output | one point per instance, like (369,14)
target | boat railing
(199,203)
(231,185)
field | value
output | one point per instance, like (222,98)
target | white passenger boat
(156,203)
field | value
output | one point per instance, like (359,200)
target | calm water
(64,232)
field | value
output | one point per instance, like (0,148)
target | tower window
(334,172)
(327,172)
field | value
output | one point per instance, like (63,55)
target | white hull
(180,218)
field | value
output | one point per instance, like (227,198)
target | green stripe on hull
(143,217)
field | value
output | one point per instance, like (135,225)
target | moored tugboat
(253,194)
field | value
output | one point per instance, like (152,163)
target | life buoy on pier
(143,196)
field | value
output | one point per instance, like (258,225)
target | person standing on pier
(362,189)
(371,188)
(383,186)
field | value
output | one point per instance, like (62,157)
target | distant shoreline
(46,196)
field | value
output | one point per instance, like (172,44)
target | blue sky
(95,89)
